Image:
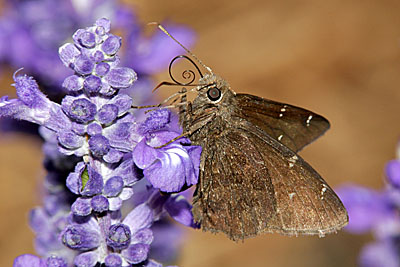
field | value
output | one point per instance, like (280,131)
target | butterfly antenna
(187,50)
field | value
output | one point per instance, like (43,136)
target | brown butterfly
(251,178)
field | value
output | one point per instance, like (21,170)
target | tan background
(338,58)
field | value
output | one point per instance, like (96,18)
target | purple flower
(131,236)
(379,254)
(151,55)
(168,168)
(377,212)
(365,206)
(29,260)
(110,153)
(81,237)
(32,31)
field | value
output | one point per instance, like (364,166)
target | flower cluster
(376,211)
(106,156)
(31,32)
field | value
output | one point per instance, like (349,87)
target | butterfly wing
(250,183)
(292,126)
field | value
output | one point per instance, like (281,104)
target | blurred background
(340,59)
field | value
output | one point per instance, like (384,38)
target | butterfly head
(212,90)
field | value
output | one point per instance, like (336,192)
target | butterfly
(251,179)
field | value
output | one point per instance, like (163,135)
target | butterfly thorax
(210,111)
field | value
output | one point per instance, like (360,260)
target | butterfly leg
(191,130)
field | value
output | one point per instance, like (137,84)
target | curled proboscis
(187,74)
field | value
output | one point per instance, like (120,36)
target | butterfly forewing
(292,126)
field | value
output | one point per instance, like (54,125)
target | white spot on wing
(291,195)
(323,190)
(293,160)
(280,137)
(309,120)
(321,233)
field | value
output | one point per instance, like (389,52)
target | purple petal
(107,90)
(392,170)
(83,65)
(38,220)
(102,68)
(74,181)
(144,155)
(126,193)
(172,176)
(92,84)
(144,236)
(54,261)
(28,92)
(57,121)
(153,263)
(161,137)
(121,77)
(115,203)
(113,260)
(180,210)
(86,39)
(123,103)
(111,45)
(94,128)
(86,259)
(119,135)
(113,186)
(107,113)
(136,253)
(29,260)
(80,237)
(119,236)
(128,171)
(68,53)
(168,239)
(113,156)
(97,57)
(81,207)
(379,254)
(155,121)
(99,145)
(73,83)
(79,109)
(70,140)
(13,108)
(99,203)
(139,218)
(78,128)
(365,207)
(103,23)
(94,185)
(169,172)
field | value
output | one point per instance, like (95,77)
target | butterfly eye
(214,94)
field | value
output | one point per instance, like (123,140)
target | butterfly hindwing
(253,184)
(232,196)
